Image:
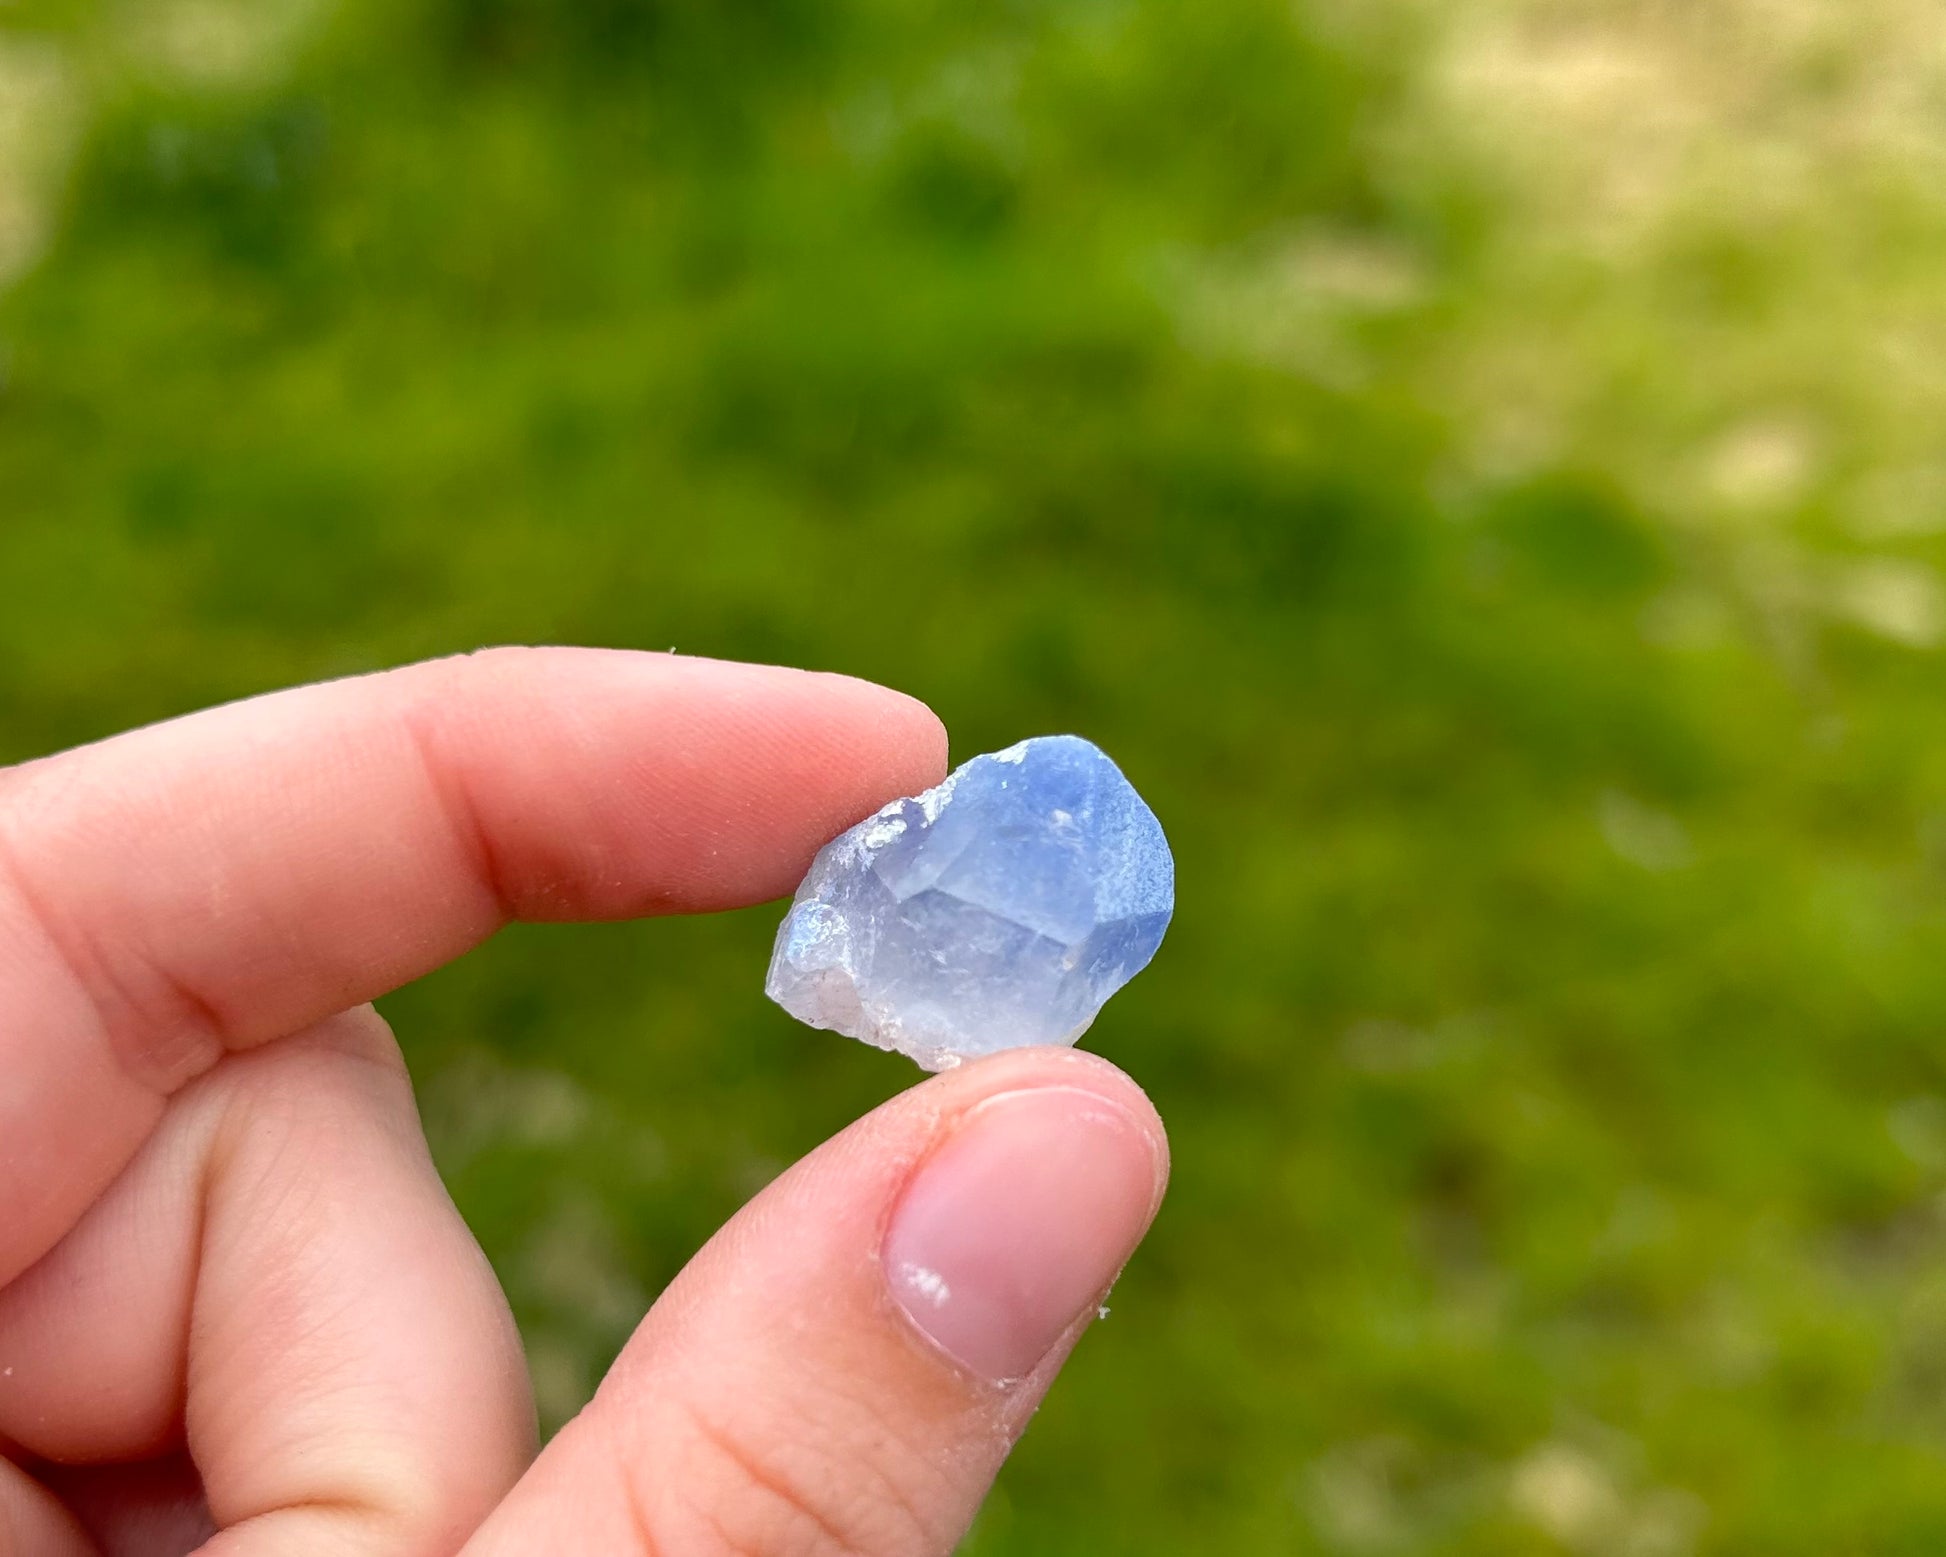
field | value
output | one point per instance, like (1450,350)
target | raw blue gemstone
(1001,908)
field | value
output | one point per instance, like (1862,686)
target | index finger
(214,882)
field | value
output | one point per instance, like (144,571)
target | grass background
(1477,467)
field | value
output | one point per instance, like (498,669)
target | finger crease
(162,1037)
(760,1475)
(321,1508)
(454,798)
(638,1515)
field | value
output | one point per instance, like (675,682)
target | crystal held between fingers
(1001,908)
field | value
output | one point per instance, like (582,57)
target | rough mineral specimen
(1000,909)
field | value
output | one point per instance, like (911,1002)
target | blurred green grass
(1478,473)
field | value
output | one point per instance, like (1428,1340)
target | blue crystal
(1001,908)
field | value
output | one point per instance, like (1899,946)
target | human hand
(236,1306)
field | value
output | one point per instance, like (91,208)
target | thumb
(843,1368)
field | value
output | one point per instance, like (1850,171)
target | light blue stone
(1000,909)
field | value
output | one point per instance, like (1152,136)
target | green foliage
(1551,1031)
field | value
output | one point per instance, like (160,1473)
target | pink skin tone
(238,1313)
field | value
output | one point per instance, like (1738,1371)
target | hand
(235,1302)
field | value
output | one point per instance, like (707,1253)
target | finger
(32,1521)
(279,1284)
(205,885)
(843,1368)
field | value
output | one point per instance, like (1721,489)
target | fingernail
(1018,1222)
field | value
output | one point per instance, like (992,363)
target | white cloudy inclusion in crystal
(1001,908)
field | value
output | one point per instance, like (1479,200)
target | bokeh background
(1480,466)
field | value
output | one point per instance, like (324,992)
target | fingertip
(900,727)
(715,779)
(1035,1190)
(1012,1070)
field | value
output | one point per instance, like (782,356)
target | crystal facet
(999,909)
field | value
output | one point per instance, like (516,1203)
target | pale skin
(239,1314)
